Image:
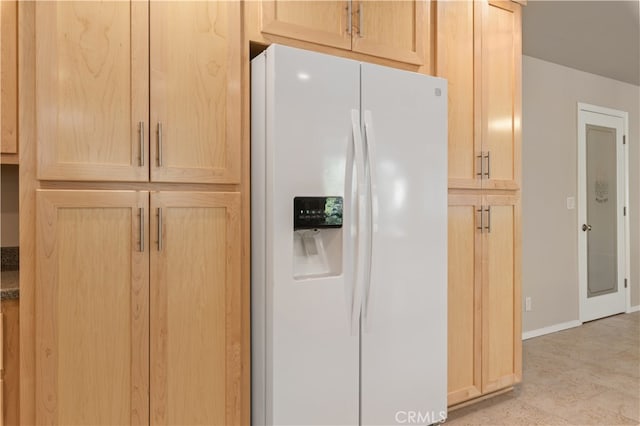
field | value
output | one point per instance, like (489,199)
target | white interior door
(602,217)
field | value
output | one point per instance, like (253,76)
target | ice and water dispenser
(317,237)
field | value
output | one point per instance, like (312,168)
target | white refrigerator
(349,242)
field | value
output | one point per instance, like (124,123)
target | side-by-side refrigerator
(349,242)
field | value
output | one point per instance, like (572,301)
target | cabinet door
(501,304)
(92,80)
(395,30)
(458,60)
(9,77)
(195,309)
(321,22)
(501,93)
(464,315)
(195,91)
(92,286)
(10,335)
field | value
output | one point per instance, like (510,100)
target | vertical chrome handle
(360,19)
(349,17)
(159,229)
(141,232)
(481,157)
(481,211)
(141,141)
(360,221)
(488,227)
(159,144)
(488,157)
(370,144)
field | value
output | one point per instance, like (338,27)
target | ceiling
(599,37)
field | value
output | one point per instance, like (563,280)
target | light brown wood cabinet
(397,30)
(10,363)
(137,91)
(9,82)
(479,52)
(132,187)
(485,351)
(137,307)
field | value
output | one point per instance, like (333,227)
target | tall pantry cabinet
(136,308)
(479,52)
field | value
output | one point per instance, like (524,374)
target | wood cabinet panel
(479,52)
(92,284)
(458,60)
(485,348)
(391,29)
(195,308)
(10,402)
(92,90)
(9,77)
(195,91)
(464,291)
(321,22)
(397,31)
(501,92)
(501,328)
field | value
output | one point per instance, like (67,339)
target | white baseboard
(551,329)
(633,309)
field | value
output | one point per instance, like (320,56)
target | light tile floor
(588,375)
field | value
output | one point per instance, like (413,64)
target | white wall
(549,154)
(9,235)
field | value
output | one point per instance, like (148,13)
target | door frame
(582,204)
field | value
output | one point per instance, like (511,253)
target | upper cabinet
(397,30)
(501,94)
(195,91)
(91,96)
(9,81)
(478,50)
(132,91)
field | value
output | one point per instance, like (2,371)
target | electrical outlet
(527,304)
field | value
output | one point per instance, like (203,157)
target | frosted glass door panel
(601,211)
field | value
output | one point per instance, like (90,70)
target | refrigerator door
(303,290)
(404,322)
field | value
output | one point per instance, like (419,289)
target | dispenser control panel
(317,212)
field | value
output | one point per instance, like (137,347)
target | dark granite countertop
(9,273)
(9,285)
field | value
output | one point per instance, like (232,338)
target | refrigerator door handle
(357,279)
(370,141)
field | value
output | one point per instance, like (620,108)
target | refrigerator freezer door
(310,371)
(404,326)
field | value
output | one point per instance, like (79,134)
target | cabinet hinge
(624,211)
(624,139)
(625,283)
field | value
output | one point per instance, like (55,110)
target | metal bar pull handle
(488,172)
(481,158)
(141,232)
(481,211)
(141,142)
(488,227)
(360,18)
(159,144)
(159,229)
(370,144)
(361,220)
(349,17)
